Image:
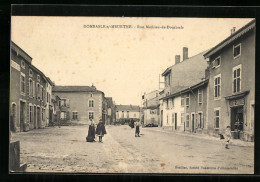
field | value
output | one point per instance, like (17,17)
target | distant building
(28,92)
(150,108)
(111,114)
(125,113)
(232,84)
(175,106)
(81,103)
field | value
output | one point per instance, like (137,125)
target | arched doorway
(13,117)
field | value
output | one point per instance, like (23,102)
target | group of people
(100,131)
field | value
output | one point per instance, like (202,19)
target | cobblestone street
(65,149)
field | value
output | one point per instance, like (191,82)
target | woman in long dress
(101,130)
(91,132)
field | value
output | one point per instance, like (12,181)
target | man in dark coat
(101,130)
(91,132)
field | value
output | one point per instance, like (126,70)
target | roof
(231,38)
(127,108)
(188,72)
(75,89)
(21,52)
(195,86)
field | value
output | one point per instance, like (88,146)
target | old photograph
(132,95)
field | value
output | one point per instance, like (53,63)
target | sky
(122,62)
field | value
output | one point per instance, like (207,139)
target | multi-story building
(175,108)
(150,108)
(27,92)
(126,113)
(231,98)
(49,103)
(81,103)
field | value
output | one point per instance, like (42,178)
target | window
(200,120)
(237,79)
(22,83)
(33,88)
(127,114)
(217,86)
(38,90)
(63,115)
(30,87)
(167,104)
(237,51)
(200,96)
(216,63)
(47,97)
(167,118)
(172,102)
(75,115)
(188,100)
(43,113)
(31,113)
(91,115)
(30,73)
(187,120)
(64,102)
(42,93)
(182,101)
(91,95)
(182,118)
(117,114)
(217,117)
(91,103)
(23,64)
(38,78)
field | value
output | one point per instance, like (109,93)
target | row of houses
(211,90)
(36,102)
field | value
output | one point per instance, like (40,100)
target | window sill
(237,56)
(217,98)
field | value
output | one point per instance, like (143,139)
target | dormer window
(30,73)
(23,64)
(237,51)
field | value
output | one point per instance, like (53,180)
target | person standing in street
(101,130)
(137,129)
(91,132)
(228,136)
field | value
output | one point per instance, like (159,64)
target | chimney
(185,53)
(233,30)
(177,59)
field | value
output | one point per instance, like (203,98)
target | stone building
(231,99)
(125,113)
(80,103)
(175,108)
(27,92)
(111,114)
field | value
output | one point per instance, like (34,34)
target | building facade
(27,92)
(150,108)
(111,114)
(232,84)
(80,103)
(175,106)
(126,113)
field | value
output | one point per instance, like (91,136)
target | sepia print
(132,95)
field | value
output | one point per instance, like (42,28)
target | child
(228,136)
(101,130)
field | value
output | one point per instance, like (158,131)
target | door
(161,117)
(22,119)
(192,123)
(175,121)
(38,117)
(13,118)
(50,115)
(237,118)
(35,118)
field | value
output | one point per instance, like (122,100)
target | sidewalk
(236,142)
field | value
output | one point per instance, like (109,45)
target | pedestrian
(137,130)
(228,136)
(101,130)
(91,132)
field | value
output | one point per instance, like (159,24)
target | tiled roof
(127,108)
(75,89)
(188,72)
(231,38)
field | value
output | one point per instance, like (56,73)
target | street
(65,149)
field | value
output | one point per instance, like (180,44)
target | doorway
(175,121)
(34,118)
(13,118)
(237,118)
(192,122)
(22,115)
(38,117)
